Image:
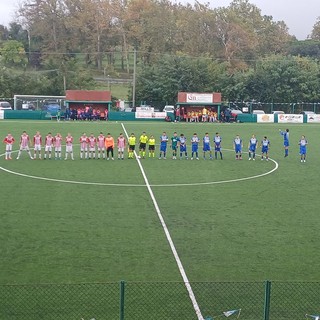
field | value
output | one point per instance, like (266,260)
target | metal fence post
(122,285)
(267,296)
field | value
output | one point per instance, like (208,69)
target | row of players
(104,145)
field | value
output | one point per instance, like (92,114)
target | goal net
(30,102)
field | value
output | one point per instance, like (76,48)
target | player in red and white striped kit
(92,141)
(83,146)
(48,146)
(57,142)
(121,144)
(69,146)
(8,141)
(101,147)
(24,144)
(37,142)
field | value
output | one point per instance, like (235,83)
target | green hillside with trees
(85,44)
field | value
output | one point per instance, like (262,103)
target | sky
(299,16)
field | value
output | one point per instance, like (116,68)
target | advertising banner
(313,118)
(199,97)
(265,118)
(150,115)
(290,118)
(1,114)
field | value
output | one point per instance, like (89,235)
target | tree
(13,53)
(315,33)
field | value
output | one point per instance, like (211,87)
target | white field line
(167,233)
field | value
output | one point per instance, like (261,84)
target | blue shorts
(252,148)
(195,148)
(183,148)
(303,150)
(163,147)
(237,149)
(217,147)
(264,149)
(286,143)
(206,147)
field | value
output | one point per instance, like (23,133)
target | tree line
(234,49)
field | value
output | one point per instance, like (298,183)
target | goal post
(35,102)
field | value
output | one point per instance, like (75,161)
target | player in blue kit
(238,145)
(195,146)
(206,146)
(303,148)
(286,144)
(163,145)
(253,143)
(265,145)
(183,146)
(217,145)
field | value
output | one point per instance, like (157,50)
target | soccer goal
(30,102)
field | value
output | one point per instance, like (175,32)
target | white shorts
(37,147)
(57,149)
(48,148)
(101,149)
(84,149)
(9,147)
(92,149)
(120,149)
(68,148)
(26,148)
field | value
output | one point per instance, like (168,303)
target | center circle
(276,165)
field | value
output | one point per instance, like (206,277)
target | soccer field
(95,220)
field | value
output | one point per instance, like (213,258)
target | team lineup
(103,146)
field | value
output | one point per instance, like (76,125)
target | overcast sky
(300,16)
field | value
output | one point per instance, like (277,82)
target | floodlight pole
(134,78)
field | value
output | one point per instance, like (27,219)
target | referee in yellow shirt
(132,144)
(143,144)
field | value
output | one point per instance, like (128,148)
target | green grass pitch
(246,230)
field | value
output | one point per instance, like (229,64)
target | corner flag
(232,312)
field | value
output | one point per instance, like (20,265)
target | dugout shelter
(194,103)
(97,100)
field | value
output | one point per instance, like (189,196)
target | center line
(167,233)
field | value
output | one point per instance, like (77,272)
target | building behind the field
(88,102)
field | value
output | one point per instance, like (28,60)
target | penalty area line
(168,236)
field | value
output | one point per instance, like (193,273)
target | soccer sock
(221,154)
(143,153)
(81,154)
(249,154)
(254,155)
(286,152)
(216,155)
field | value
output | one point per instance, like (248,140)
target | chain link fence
(159,300)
